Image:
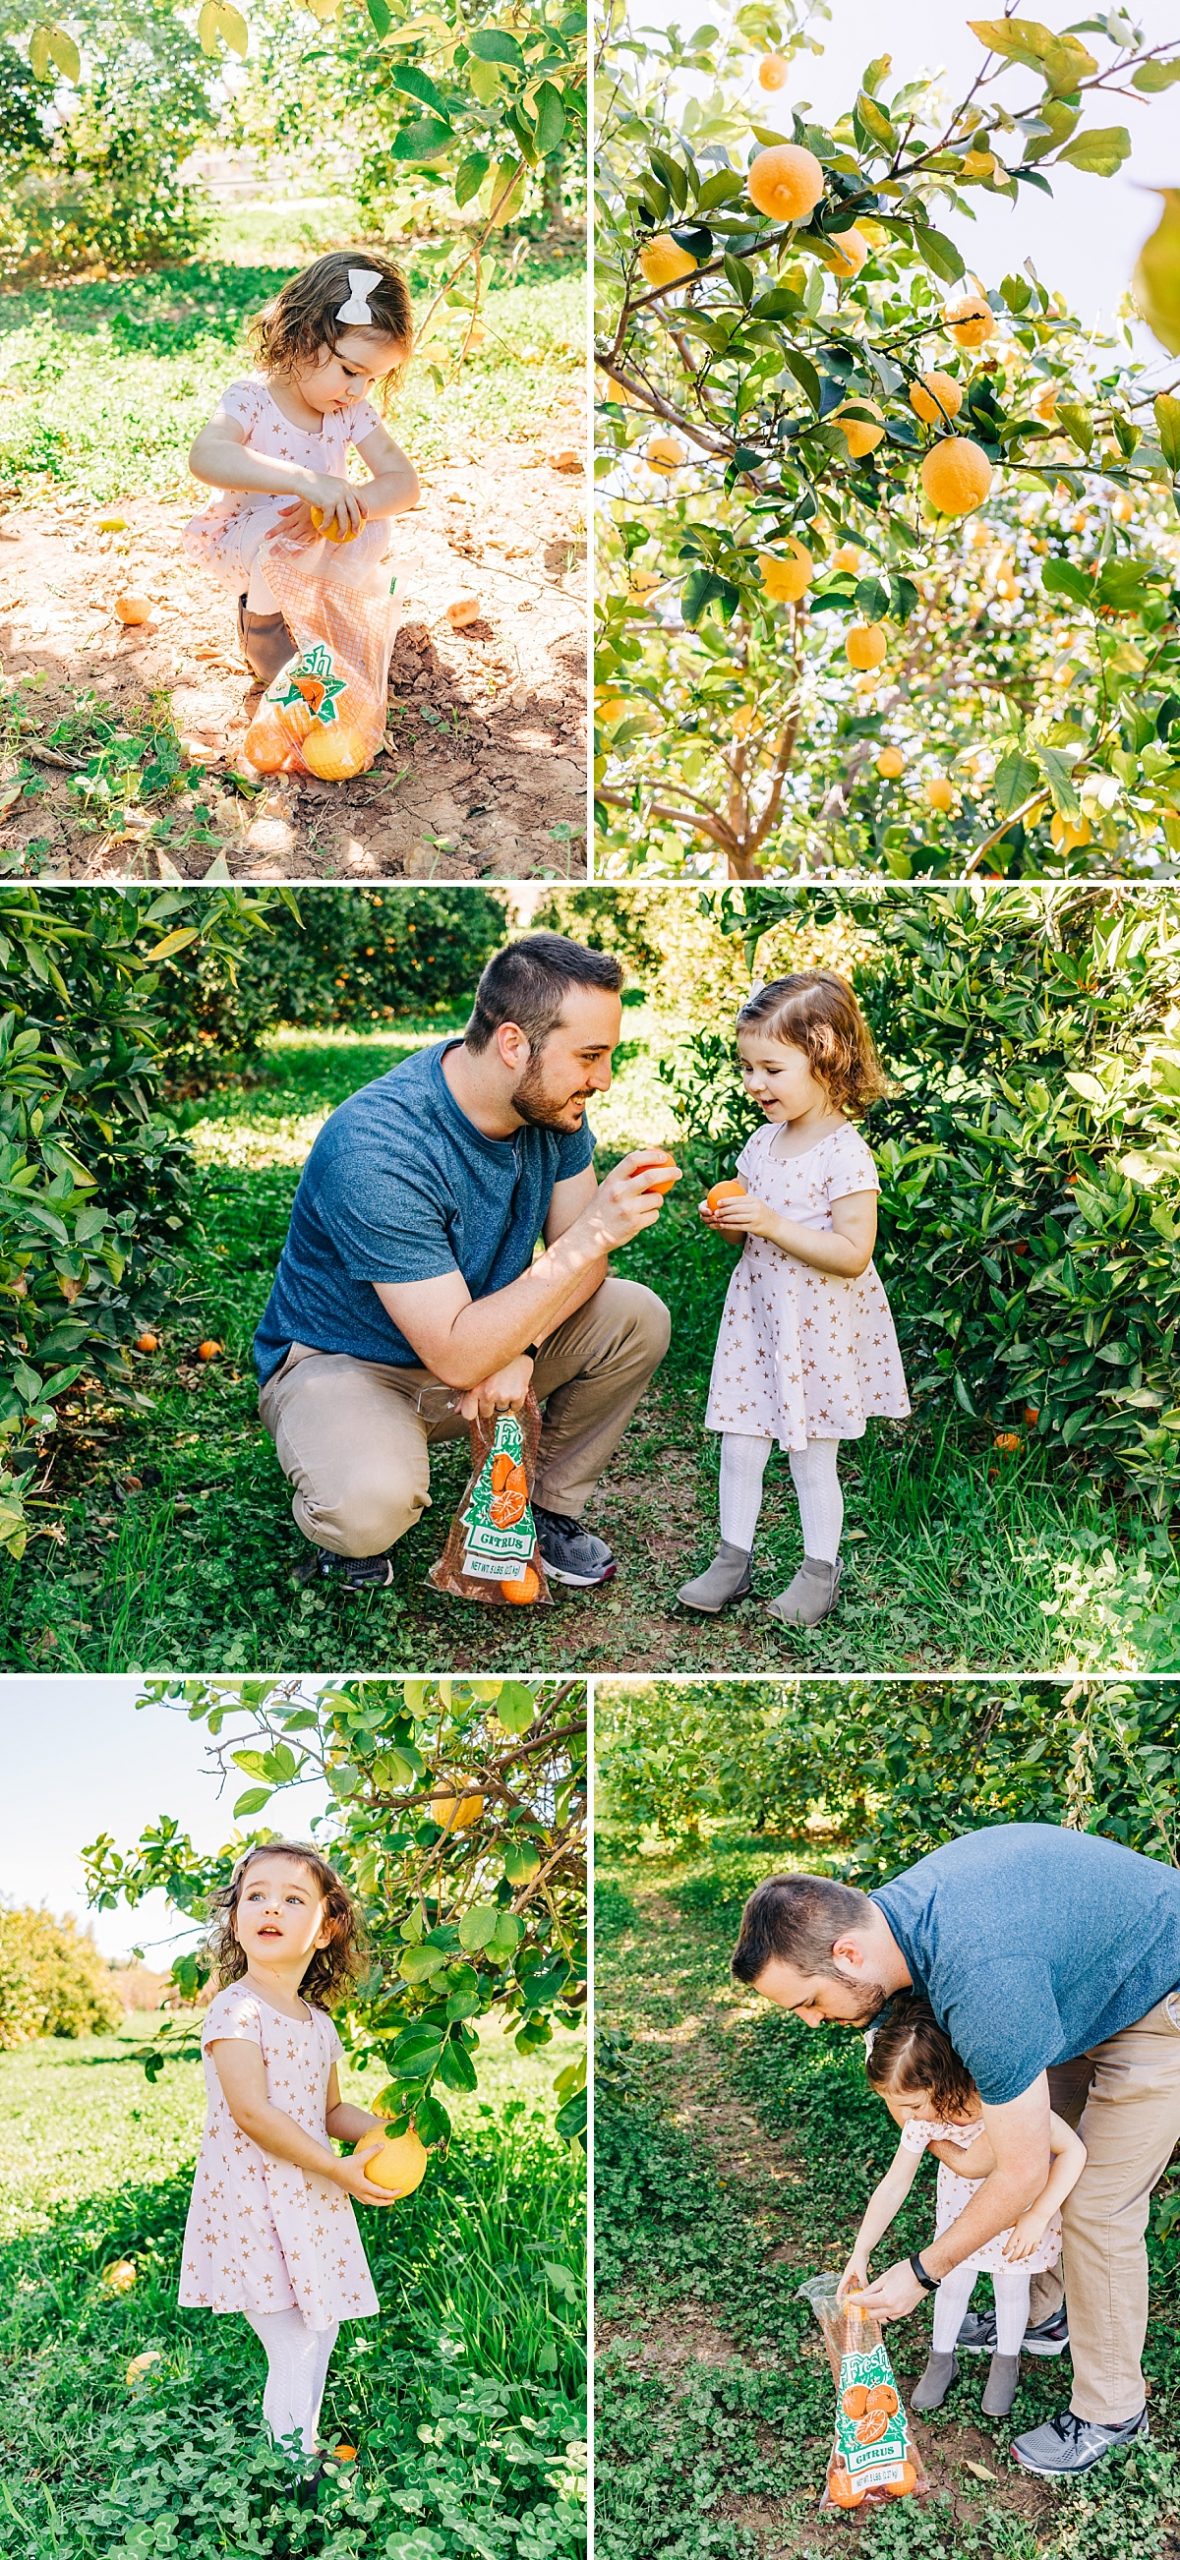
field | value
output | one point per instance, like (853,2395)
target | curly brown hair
(816,1011)
(302,318)
(331,1969)
(909,2053)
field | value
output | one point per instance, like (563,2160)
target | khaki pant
(354,1442)
(1124,2100)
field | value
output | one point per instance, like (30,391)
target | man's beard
(532,1104)
(875,1996)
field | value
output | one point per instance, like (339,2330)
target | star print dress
(955,2192)
(804,1354)
(263,2235)
(228,533)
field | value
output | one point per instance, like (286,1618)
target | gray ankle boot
(810,1596)
(727,1578)
(931,2390)
(1003,2376)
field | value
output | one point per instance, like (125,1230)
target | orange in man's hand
(735,1190)
(525,1588)
(662,1176)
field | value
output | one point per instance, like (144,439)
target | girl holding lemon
(271,2231)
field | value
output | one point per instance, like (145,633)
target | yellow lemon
(772,71)
(845,254)
(848,557)
(940,792)
(453,1808)
(785,182)
(140,2365)
(970,321)
(610,710)
(119,2276)
(936,398)
(665,454)
(642,581)
(1068,835)
(663,261)
(865,645)
(1046,403)
(400,2164)
(786,580)
(890,763)
(956,475)
(861,435)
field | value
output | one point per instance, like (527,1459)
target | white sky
(1085,239)
(79,1759)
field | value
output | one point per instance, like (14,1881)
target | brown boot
(267,644)
(810,1596)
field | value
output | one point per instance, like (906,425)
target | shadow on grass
(174,1545)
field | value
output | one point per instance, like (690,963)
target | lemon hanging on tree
(970,321)
(785,182)
(865,645)
(936,398)
(861,434)
(956,475)
(786,581)
(663,261)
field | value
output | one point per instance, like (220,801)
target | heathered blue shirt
(1033,1944)
(401,1185)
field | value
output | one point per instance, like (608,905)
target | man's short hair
(798,1919)
(527,983)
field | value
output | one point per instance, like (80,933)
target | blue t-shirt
(401,1185)
(1032,1945)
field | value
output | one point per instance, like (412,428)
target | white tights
(817,1491)
(1011,2286)
(297,2360)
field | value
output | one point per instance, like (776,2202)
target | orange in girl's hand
(331,531)
(735,1190)
(335,754)
(525,1588)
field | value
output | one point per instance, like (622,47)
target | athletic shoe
(1050,2337)
(352,1573)
(1067,2446)
(569,1551)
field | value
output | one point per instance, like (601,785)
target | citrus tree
(889,550)
(456,1820)
(53,1981)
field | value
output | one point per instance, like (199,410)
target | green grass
(734,2152)
(108,383)
(170,1542)
(464,2398)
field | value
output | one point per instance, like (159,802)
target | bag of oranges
(873,2455)
(492,1553)
(325,711)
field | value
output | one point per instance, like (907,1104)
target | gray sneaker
(977,2337)
(1067,2446)
(571,1554)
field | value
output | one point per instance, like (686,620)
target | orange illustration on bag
(491,1552)
(873,2456)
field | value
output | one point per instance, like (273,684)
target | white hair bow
(361,281)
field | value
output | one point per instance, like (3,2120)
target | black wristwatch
(530,1352)
(929,2284)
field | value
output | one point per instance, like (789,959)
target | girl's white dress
(803,1354)
(955,2192)
(227,535)
(263,2235)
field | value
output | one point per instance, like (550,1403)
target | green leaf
(1016,778)
(521,1862)
(805,375)
(63,52)
(423,139)
(1077,418)
(456,2069)
(252,1802)
(549,118)
(470,175)
(420,1964)
(485,78)
(490,44)
(570,2120)
(875,121)
(1167,420)
(1057,765)
(939,253)
(705,589)
(1101,151)
(415,83)
(477,1928)
(172,942)
(381,15)
(1153,76)
(1062,578)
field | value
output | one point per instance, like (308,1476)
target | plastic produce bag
(491,1552)
(325,711)
(873,2455)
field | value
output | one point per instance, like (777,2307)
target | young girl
(929,2092)
(807,1349)
(271,2231)
(279,442)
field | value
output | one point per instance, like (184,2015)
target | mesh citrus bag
(491,1552)
(873,2455)
(325,711)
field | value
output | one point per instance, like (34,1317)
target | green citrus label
(496,1552)
(311,679)
(872,2442)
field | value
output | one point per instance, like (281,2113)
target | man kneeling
(410,1268)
